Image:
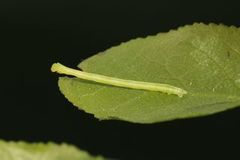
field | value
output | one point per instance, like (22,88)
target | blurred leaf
(40,151)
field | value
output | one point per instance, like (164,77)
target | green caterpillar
(165,88)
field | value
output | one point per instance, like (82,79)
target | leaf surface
(40,151)
(202,59)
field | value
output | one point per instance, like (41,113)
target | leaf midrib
(234,98)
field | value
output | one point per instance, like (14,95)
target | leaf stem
(165,88)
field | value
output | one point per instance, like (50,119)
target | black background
(36,33)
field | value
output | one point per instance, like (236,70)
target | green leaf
(40,151)
(202,59)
